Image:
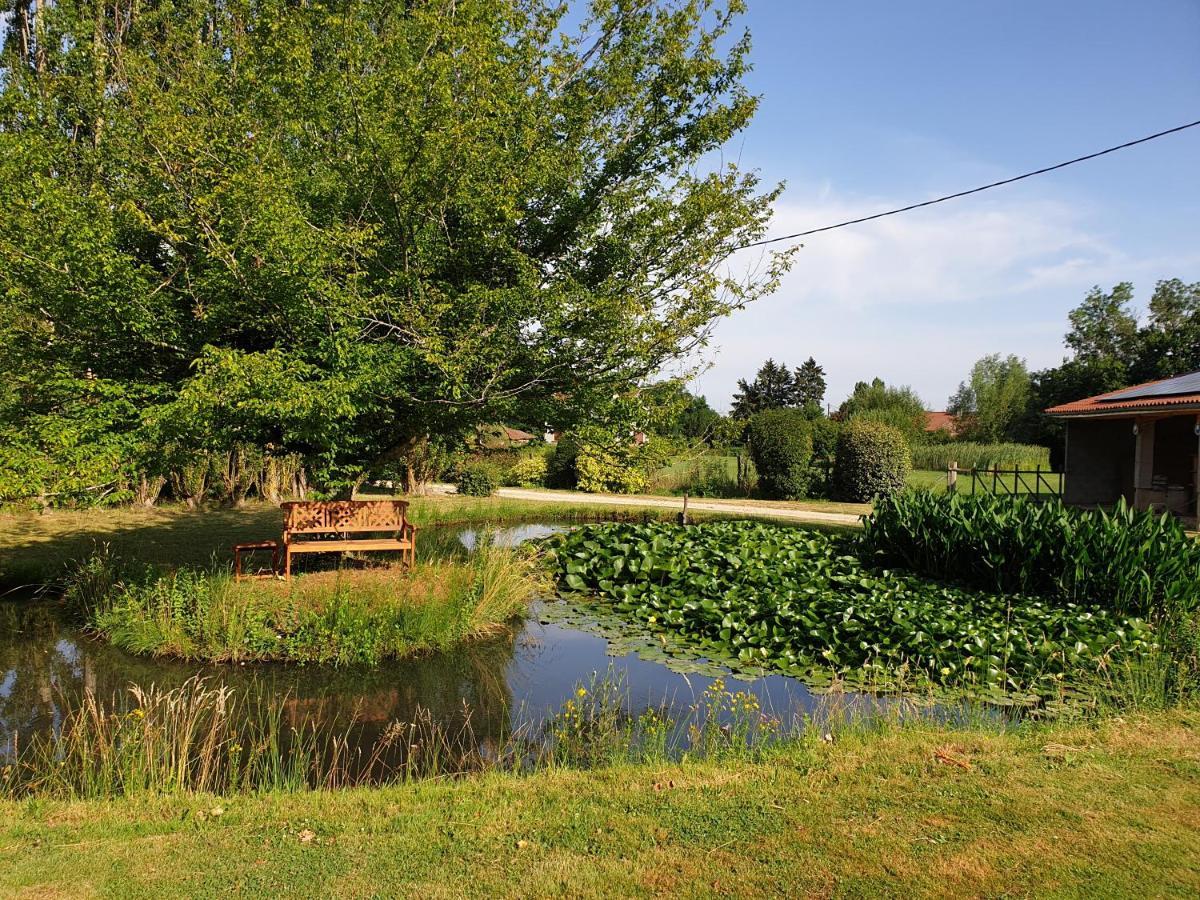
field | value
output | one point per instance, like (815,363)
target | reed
(354,615)
(206,738)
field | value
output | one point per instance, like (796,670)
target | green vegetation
(876,401)
(796,600)
(342,617)
(38,549)
(992,399)
(1097,809)
(475,480)
(970,455)
(1130,562)
(872,461)
(279,226)
(781,446)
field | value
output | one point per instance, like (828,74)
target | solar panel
(1183,384)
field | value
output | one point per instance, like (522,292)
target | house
(941,421)
(1141,443)
(518,438)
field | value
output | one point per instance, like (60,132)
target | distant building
(1141,443)
(518,438)
(941,421)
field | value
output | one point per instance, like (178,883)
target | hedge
(781,447)
(872,461)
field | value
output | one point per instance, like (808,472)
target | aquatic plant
(1129,561)
(353,615)
(794,599)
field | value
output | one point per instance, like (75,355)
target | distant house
(941,421)
(518,438)
(1141,443)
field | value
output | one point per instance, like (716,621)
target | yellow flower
(581,693)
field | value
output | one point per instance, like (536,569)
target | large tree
(773,387)
(810,384)
(335,227)
(993,398)
(876,401)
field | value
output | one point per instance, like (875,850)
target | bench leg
(287,563)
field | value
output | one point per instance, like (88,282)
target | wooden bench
(331,526)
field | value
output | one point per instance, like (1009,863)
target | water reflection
(481,692)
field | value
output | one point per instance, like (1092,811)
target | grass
(358,615)
(36,548)
(1104,809)
(922,479)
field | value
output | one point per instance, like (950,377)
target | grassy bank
(1108,809)
(36,548)
(355,615)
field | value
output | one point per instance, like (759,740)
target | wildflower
(581,693)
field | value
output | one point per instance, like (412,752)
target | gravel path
(746,509)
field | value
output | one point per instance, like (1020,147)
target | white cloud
(918,297)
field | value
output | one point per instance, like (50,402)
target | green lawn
(35,546)
(1072,811)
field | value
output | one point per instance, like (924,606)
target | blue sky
(871,105)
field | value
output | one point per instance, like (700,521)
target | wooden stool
(239,549)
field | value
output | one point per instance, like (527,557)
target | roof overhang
(1136,412)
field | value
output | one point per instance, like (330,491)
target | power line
(986,187)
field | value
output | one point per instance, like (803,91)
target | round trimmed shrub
(781,447)
(872,460)
(476,481)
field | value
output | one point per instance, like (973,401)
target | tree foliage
(775,386)
(898,407)
(332,228)
(781,446)
(992,399)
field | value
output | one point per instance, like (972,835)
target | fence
(1036,483)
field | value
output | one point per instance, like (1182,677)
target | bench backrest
(316,517)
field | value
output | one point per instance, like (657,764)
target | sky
(868,106)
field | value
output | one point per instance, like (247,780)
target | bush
(872,461)
(1125,560)
(969,455)
(782,448)
(477,480)
(825,433)
(560,466)
(528,471)
(603,470)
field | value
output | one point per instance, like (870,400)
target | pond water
(485,689)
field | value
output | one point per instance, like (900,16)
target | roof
(939,421)
(1176,394)
(516,434)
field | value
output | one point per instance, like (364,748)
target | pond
(485,691)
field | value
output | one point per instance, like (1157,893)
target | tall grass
(348,616)
(970,455)
(207,738)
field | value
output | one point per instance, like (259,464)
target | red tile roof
(1097,406)
(515,434)
(936,421)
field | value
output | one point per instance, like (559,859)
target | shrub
(528,471)
(782,448)
(560,466)
(872,461)
(477,480)
(969,455)
(601,469)
(825,433)
(1125,560)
